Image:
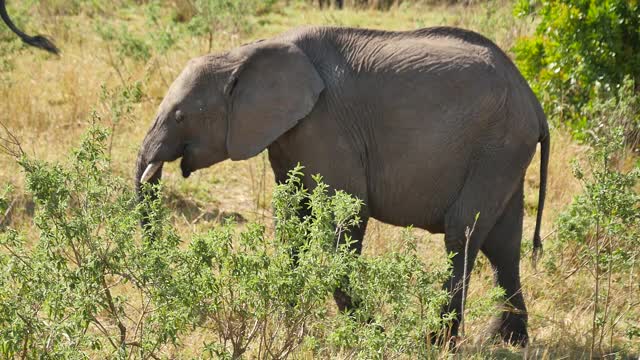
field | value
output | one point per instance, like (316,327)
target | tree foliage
(579,48)
(92,283)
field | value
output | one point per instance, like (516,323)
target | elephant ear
(273,88)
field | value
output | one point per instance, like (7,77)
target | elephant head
(232,105)
(38,41)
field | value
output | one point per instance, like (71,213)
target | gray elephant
(428,127)
(38,41)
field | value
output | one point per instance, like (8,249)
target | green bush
(91,284)
(579,47)
(601,228)
(398,305)
(211,16)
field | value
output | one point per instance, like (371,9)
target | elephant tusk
(150,171)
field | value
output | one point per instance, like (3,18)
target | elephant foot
(343,301)
(446,342)
(347,306)
(511,328)
(447,338)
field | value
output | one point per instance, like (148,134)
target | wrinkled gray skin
(428,127)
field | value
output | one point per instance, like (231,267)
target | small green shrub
(166,33)
(399,303)
(92,284)
(129,45)
(120,100)
(610,111)
(579,46)
(601,228)
(211,16)
(161,36)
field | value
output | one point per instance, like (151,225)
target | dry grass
(47,101)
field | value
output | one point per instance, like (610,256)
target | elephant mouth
(186,163)
(190,160)
(186,169)
(153,167)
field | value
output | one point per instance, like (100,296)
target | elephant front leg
(344,302)
(279,156)
(341,294)
(465,232)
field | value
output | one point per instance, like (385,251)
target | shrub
(160,35)
(611,111)
(91,284)
(129,44)
(579,46)
(211,16)
(399,303)
(601,228)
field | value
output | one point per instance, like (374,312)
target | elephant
(38,41)
(429,128)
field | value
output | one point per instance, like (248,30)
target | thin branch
(468,233)
(104,331)
(15,255)
(142,316)
(138,345)
(10,145)
(7,213)
(594,326)
(25,346)
(114,311)
(607,303)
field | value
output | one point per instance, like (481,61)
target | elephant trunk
(146,172)
(156,148)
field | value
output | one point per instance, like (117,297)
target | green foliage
(602,225)
(166,33)
(399,303)
(610,111)
(92,284)
(133,46)
(120,100)
(211,16)
(609,207)
(579,46)
(54,290)
(128,44)
(160,35)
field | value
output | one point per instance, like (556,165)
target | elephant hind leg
(487,192)
(465,249)
(502,248)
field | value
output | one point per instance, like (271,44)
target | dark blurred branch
(9,143)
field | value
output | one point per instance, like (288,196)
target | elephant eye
(179,116)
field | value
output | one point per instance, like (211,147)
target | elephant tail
(544,162)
